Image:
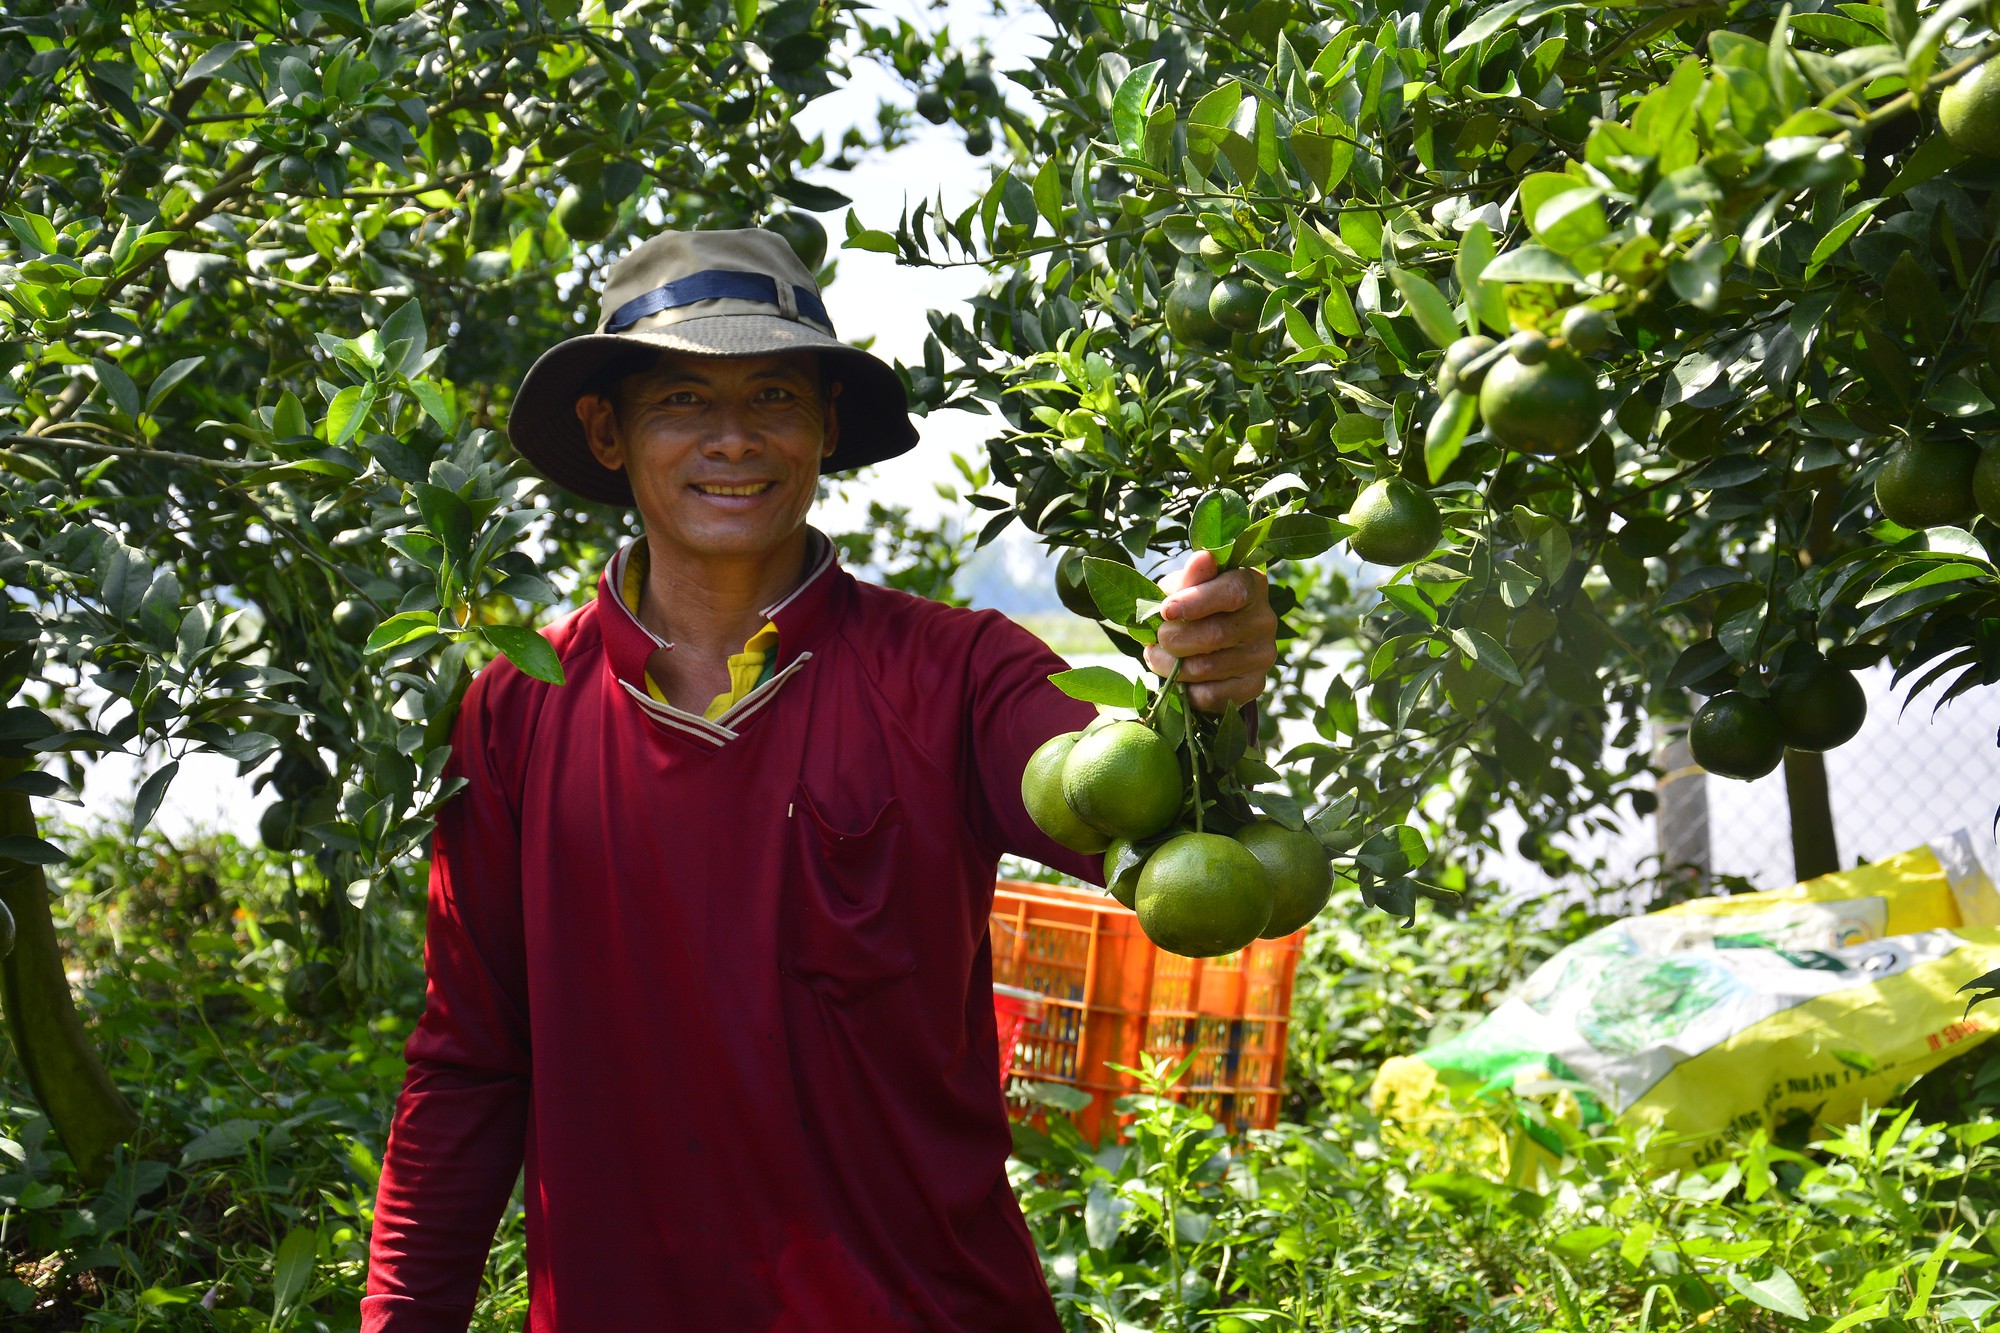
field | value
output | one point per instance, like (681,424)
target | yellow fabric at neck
(747,669)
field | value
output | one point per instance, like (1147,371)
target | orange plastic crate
(1109,996)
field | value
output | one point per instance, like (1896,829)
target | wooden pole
(1815,849)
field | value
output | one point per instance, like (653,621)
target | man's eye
(681,398)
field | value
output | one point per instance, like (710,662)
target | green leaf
(1447,431)
(1531,263)
(1303,536)
(1427,306)
(1219,518)
(1132,104)
(1842,231)
(812,198)
(151,792)
(296,1257)
(526,650)
(118,387)
(1100,685)
(447,516)
(348,412)
(289,421)
(436,406)
(1698,581)
(1487,23)
(401,628)
(1048,194)
(1484,649)
(1117,589)
(164,382)
(31,851)
(1778,1293)
(1393,851)
(1487,300)
(880,242)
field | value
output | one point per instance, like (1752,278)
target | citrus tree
(268,273)
(1649,348)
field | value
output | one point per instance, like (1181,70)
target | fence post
(1682,818)
(1815,850)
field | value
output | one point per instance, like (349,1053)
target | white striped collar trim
(716,732)
(624,558)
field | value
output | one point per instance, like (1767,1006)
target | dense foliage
(268,273)
(245,1201)
(1269,247)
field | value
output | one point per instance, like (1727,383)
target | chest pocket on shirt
(846,926)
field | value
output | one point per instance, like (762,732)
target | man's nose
(732,433)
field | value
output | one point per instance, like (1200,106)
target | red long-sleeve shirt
(723,987)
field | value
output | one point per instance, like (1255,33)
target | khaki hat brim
(874,410)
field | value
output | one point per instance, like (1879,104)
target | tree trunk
(87,1111)
(1815,850)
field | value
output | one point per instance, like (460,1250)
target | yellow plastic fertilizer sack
(1782,1011)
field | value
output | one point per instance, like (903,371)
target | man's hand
(1222,629)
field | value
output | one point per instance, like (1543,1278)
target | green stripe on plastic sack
(1785,1011)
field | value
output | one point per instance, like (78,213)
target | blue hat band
(717,284)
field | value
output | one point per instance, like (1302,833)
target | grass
(245,1203)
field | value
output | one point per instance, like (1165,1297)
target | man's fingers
(1199,570)
(1212,634)
(1219,695)
(1216,595)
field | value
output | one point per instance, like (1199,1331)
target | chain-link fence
(1907,778)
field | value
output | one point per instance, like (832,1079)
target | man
(707,944)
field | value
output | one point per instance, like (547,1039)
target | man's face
(723,453)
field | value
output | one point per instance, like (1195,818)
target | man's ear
(600,429)
(832,418)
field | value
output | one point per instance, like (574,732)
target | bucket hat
(708,293)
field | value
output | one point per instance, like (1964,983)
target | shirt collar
(804,616)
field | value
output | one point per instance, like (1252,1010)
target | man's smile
(745,489)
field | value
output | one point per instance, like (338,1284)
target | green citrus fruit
(1928,484)
(1070,584)
(1736,736)
(1202,895)
(1237,304)
(1986,483)
(1124,779)
(1229,1323)
(932,106)
(1122,864)
(979,141)
(310,991)
(584,214)
(1550,407)
(1188,318)
(1215,254)
(295,172)
(979,84)
(1529,347)
(353,619)
(1452,373)
(1587,329)
(804,234)
(1301,876)
(1395,522)
(1969,111)
(1818,708)
(275,827)
(1041,792)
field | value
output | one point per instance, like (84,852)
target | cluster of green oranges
(1742,735)
(1939,483)
(1209,300)
(1117,788)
